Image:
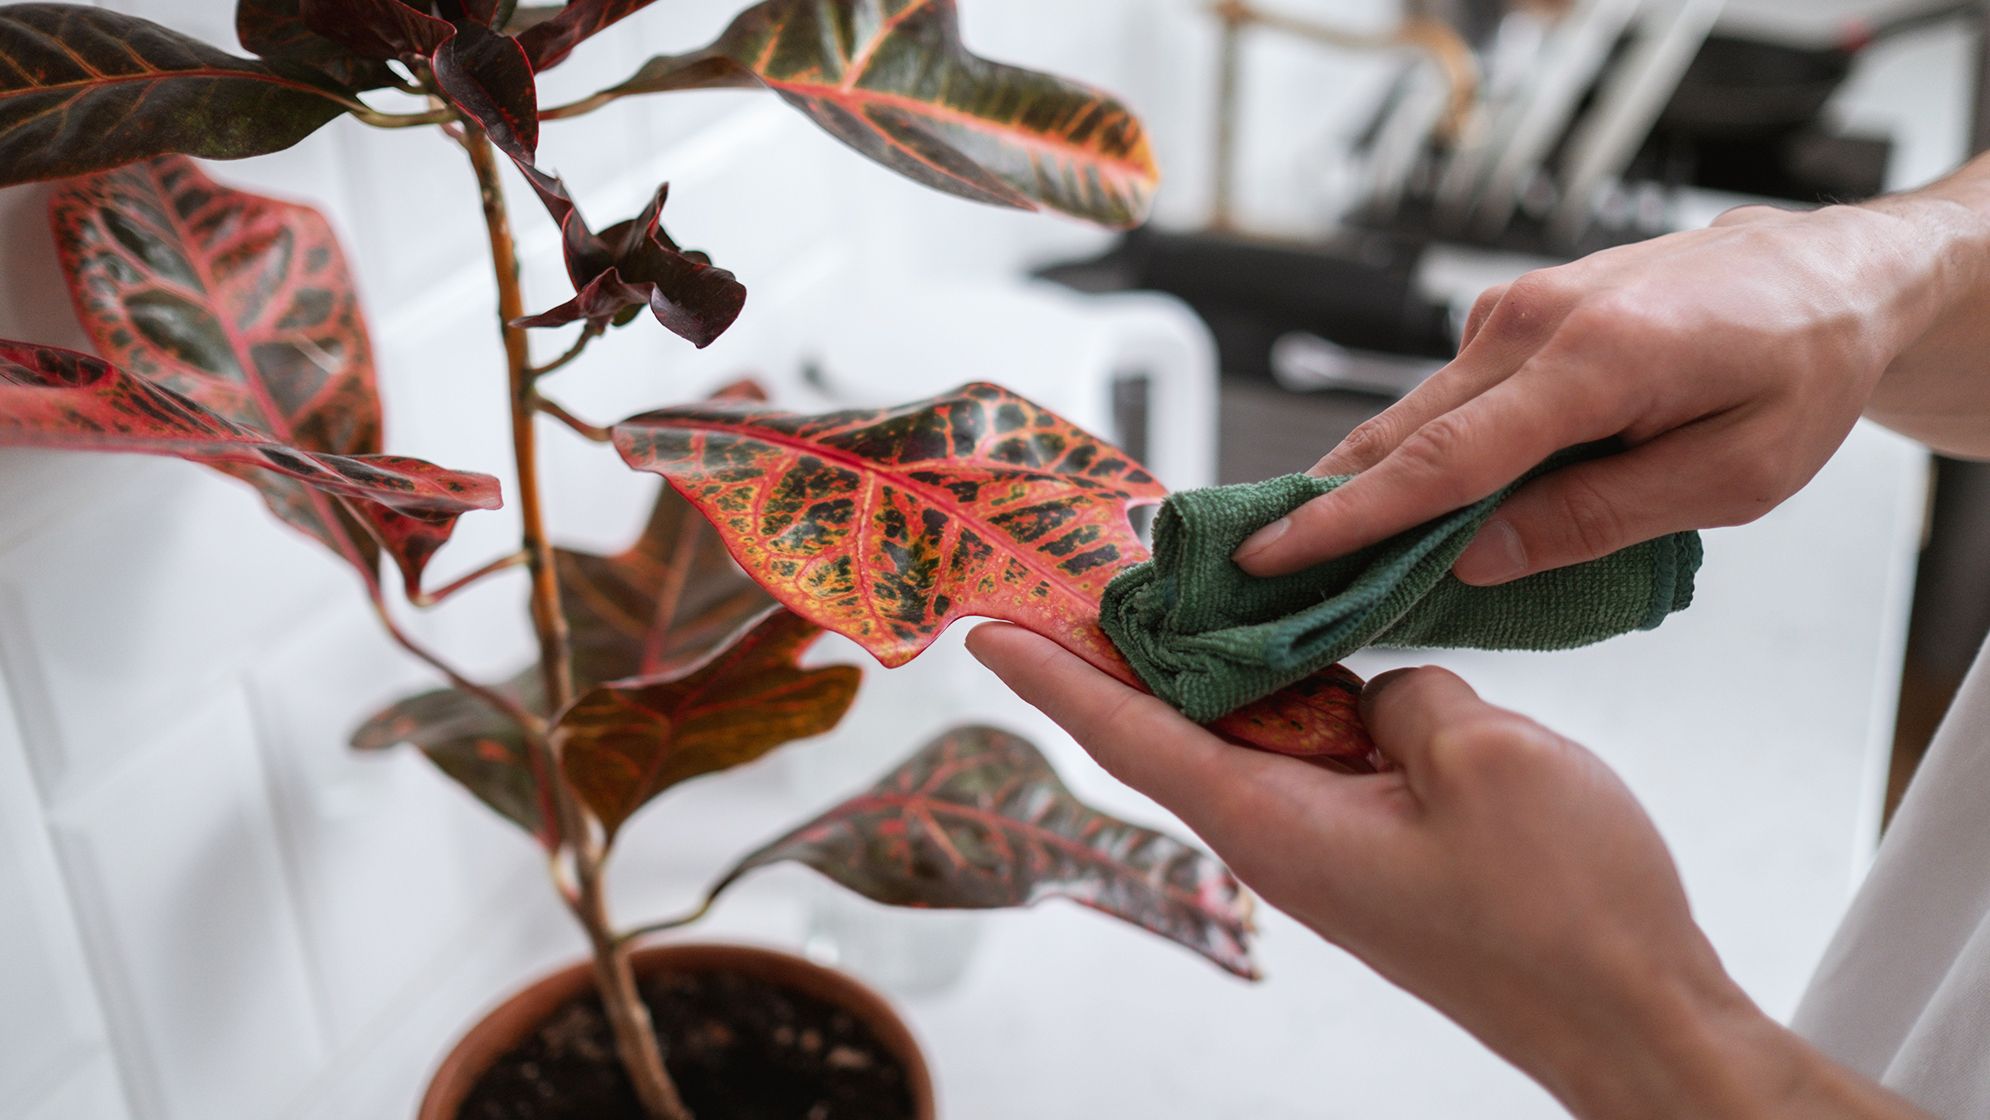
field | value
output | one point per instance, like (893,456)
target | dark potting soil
(739,1049)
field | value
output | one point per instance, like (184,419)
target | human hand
(1501,873)
(1730,362)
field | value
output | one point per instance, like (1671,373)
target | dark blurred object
(1358,291)
(1741,88)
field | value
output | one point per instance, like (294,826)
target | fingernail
(1372,692)
(1262,539)
(1495,556)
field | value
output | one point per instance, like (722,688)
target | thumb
(1590,510)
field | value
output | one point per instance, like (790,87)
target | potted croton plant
(228,332)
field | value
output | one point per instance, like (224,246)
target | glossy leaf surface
(61,399)
(552,37)
(626,743)
(888,525)
(635,264)
(275,29)
(978,820)
(244,304)
(474,744)
(892,79)
(83,89)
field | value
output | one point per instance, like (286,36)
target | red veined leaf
(627,743)
(275,29)
(661,605)
(554,36)
(485,74)
(244,304)
(378,29)
(888,525)
(978,820)
(892,79)
(82,89)
(1318,719)
(476,745)
(635,264)
(57,398)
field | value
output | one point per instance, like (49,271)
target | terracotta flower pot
(515,1019)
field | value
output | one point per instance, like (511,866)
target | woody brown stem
(635,1035)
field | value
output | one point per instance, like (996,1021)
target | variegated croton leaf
(892,79)
(82,89)
(243,304)
(57,398)
(889,525)
(978,820)
(625,743)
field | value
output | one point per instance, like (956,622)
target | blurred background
(211,910)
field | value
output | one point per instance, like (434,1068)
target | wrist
(1943,233)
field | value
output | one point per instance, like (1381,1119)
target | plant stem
(588,334)
(593,433)
(442,594)
(533,725)
(635,1034)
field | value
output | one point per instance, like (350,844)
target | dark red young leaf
(244,305)
(978,820)
(888,525)
(57,398)
(485,74)
(275,29)
(479,747)
(628,742)
(635,264)
(378,29)
(82,89)
(892,79)
(550,39)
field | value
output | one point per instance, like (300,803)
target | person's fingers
(1590,510)
(1136,736)
(1407,709)
(1456,459)
(1484,360)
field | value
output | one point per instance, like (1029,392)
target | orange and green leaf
(892,79)
(889,525)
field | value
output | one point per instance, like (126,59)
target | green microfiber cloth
(1209,638)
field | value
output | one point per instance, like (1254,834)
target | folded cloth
(1209,638)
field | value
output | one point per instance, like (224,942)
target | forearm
(1719,1060)
(1937,390)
